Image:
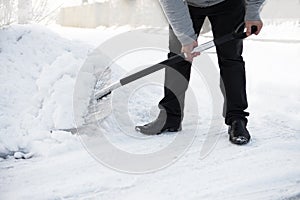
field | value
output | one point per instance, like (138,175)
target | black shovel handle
(178,58)
(235,35)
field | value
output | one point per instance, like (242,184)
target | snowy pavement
(39,66)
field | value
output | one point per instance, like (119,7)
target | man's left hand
(258,24)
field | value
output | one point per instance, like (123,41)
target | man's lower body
(224,18)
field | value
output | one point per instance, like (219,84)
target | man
(186,20)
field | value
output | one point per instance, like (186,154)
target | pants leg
(232,66)
(224,17)
(177,78)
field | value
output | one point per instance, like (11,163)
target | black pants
(224,18)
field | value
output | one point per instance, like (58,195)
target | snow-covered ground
(39,69)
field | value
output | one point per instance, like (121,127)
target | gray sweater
(179,18)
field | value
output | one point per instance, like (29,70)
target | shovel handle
(172,60)
(225,38)
(152,69)
(180,57)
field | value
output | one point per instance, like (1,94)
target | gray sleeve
(179,18)
(253,8)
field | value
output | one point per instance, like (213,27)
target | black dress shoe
(158,126)
(238,133)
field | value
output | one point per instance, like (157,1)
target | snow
(40,68)
(279,31)
(37,80)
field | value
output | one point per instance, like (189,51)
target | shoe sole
(162,131)
(239,140)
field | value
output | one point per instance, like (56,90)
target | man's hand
(187,50)
(258,24)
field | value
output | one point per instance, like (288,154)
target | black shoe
(238,133)
(158,126)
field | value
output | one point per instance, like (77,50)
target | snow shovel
(98,109)
(175,59)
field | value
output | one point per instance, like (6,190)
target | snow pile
(38,73)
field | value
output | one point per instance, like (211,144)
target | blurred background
(94,13)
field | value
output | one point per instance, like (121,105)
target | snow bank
(37,76)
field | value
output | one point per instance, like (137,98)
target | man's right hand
(249,24)
(187,50)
